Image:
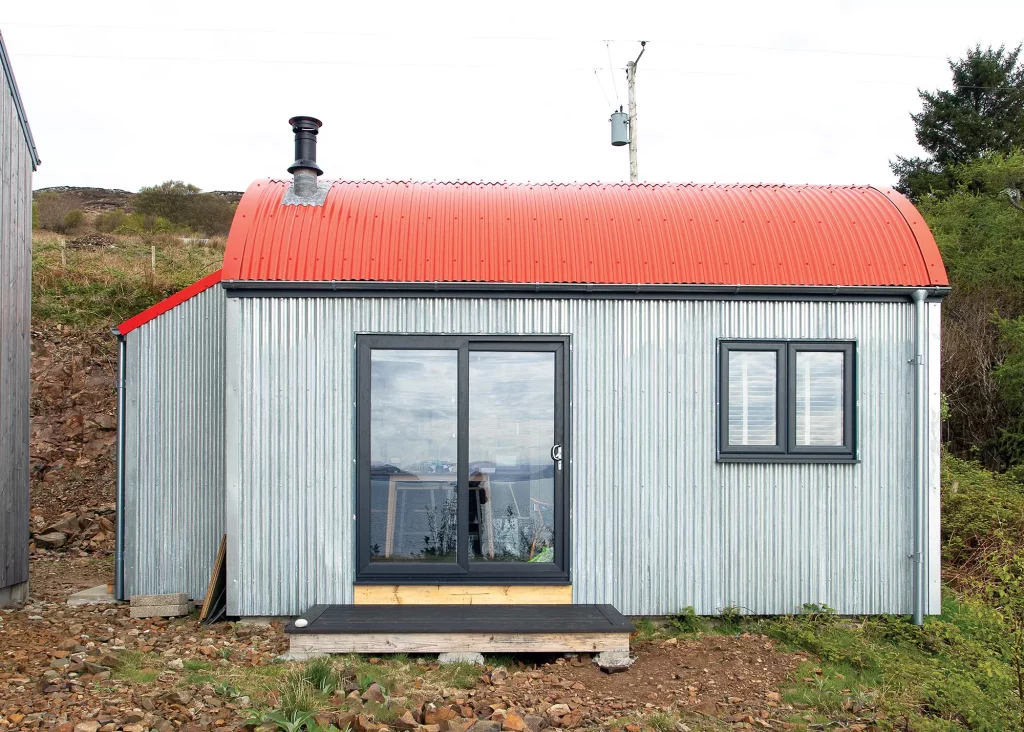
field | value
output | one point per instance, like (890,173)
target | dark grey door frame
(463,571)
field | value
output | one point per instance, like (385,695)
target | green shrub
(53,210)
(186,205)
(982,514)
(73,219)
(686,621)
(110,221)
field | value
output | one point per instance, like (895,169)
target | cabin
(543,406)
(18,159)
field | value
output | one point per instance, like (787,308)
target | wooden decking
(459,628)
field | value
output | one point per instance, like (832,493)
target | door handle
(556,455)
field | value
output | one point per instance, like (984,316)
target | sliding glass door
(461,459)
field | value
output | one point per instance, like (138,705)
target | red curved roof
(592,233)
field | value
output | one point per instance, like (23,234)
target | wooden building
(18,159)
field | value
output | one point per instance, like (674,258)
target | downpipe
(119,495)
(920,430)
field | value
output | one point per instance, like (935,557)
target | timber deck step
(443,628)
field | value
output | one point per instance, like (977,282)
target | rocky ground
(82,669)
(73,430)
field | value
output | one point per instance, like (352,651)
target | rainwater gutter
(119,592)
(920,426)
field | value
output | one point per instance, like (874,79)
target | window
(786,401)
(461,462)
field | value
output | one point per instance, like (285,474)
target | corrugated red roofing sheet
(168,303)
(592,233)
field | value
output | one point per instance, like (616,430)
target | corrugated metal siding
(16,164)
(174,448)
(657,523)
(591,233)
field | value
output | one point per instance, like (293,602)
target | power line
(601,87)
(459,65)
(611,71)
(540,39)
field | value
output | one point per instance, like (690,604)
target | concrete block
(614,661)
(161,611)
(175,598)
(14,595)
(97,595)
(462,657)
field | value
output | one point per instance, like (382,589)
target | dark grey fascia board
(361,288)
(5,61)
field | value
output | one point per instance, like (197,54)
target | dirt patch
(730,678)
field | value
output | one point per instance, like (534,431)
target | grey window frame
(786,450)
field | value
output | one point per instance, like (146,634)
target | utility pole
(631,82)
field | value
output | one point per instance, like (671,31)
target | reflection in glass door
(413,451)
(511,470)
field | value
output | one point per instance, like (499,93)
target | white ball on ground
(301,623)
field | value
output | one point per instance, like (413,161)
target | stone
(54,540)
(374,693)
(435,715)
(485,725)
(461,657)
(555,712)
(572,720)
(177,664)
(89,726)
(405,722)
(614,661)
(535,722)
(513,723)
(180,697)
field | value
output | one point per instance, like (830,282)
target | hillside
(107,199)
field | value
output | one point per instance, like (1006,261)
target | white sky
(126,94)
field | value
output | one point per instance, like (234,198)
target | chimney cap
(303,122)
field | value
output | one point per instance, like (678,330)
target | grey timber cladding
(16,165)
(657,522)
(174,448)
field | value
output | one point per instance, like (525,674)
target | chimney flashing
(312,195)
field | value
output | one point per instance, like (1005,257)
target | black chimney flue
(305,129)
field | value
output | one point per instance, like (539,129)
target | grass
(139,668)
(101,287)
(954,673)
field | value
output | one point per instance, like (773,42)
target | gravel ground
(93,668)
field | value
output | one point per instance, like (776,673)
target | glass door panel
(511,448)
(413,455)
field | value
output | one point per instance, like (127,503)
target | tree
(983,113)
(981,236)
(186,205)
